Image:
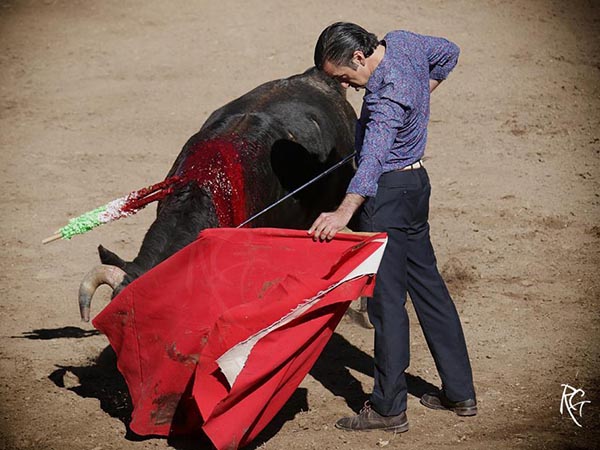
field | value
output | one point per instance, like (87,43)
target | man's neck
(377,56)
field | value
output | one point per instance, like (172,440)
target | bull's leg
(363,304)
(358,312)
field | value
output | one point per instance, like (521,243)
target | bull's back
(247,155)
(267,143)
(310,107)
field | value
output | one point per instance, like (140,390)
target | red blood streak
(216,165)
(139,199)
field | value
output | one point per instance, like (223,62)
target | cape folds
(219,336)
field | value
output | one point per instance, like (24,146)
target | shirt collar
(377,77)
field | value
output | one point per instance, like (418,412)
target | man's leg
(386,410)
(387,313)
(391,211)
(438,318)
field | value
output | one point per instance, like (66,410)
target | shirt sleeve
(385,117)
(442,55)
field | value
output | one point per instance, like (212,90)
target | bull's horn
(101,274)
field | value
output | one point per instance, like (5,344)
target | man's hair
(338,42)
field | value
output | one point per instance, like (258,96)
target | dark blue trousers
(401,208)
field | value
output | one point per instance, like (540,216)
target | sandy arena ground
(97,98)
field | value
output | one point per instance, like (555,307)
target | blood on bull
(247,155)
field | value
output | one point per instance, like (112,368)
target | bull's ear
(110,258)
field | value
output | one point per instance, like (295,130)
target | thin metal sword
(318,177)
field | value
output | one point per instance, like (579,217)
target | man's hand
(433,84)
(328,224)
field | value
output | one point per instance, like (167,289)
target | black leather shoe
(437,400)
(369,419)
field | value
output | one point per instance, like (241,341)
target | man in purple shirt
(390,192)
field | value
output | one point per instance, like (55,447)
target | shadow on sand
(57,333)
(332,371)
(101,380)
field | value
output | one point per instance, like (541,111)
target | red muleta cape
(220,335)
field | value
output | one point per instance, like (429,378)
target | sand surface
(97,98)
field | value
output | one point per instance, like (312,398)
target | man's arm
(329,223)
(433,84)
(441,54)
(385,116)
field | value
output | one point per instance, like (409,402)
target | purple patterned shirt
(391,132)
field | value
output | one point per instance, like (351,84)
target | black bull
(247,155)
